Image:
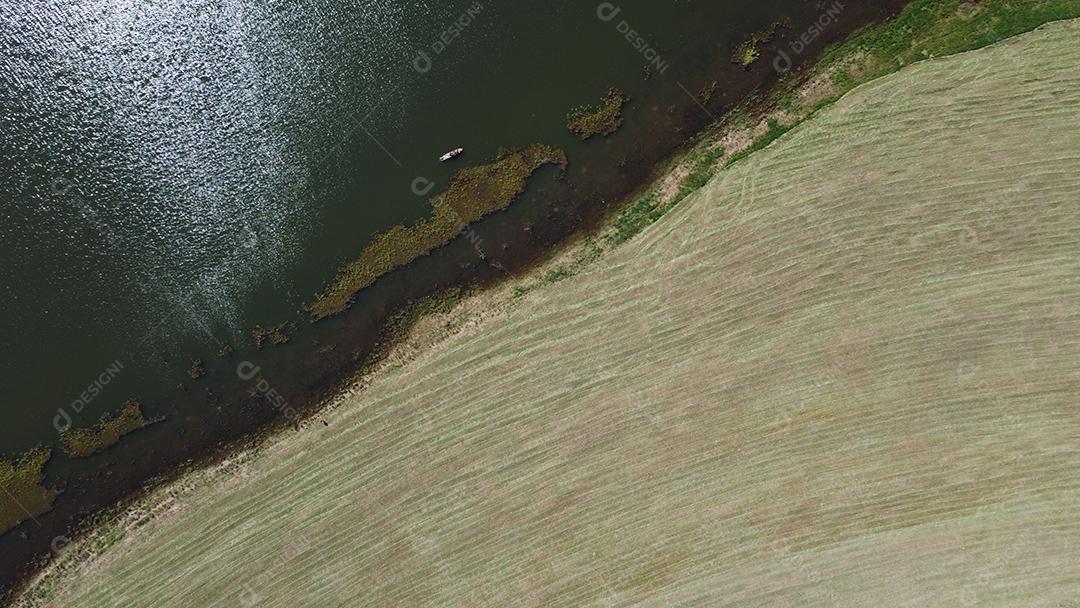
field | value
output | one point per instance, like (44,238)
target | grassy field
(841,373)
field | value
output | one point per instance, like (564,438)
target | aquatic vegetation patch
(84,442)
(746,54)
(196,370)
(473,193)
(275,334)
(706,93)
(603,119)
(749,50)
(24,495)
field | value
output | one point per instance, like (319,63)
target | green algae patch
(473,193)
(23,495)
(750,49)
(84,442)
(603,119)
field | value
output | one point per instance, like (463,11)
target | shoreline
(347,346)
(426,326)
(471,309)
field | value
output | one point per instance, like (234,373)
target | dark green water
(176,173)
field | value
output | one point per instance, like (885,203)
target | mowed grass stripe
(809,384)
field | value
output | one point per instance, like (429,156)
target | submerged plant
(603,119)
(21,481)
(473,193)
(196,370)
(746,54)
(276,335)
(749,50)
(84,442)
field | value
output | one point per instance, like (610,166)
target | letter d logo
(782,63)
(248,597)
(62,421)
(247,370)
(58,543)
(59,186)
(422,62)
(607,11)
(421,186)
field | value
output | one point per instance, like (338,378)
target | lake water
(176,173)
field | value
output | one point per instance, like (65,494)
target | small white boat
(451,154)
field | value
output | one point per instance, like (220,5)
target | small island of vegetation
(473,193)
(21,482)
(85,442)
(749,50)
(603,119)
